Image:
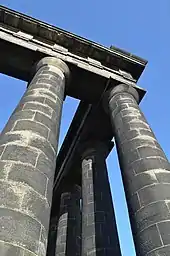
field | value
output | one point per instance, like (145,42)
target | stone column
(145,171)
(99,232)
(28,147)
(52,236)
(69,224)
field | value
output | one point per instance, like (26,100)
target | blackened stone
(142,163)
(148,240)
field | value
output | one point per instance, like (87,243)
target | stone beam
(14,51)
(25,27)
(91,66)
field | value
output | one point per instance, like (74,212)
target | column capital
(118,89)
(91,148)
(54,62)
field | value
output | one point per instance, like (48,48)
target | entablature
(50,36)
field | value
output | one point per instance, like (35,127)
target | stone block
(46,81)
(34,127)
(137,182)
(147,151)
(131,134)
(10,195)
(90,230)
(38,107)
(164,229)
(89,208)
(56,106)
(57,90)
(46,166)
(90,218)
(18,228)
(31,98)
(4,166)
(151,214)
(153,193)
(49,191)
(148,240)
(28,175)
(146,132)
(36,207)
(131,156)
(8,249)
(53,139)
(29,253)
(42,144)
(19,153)
(10,137)
(163,176)
(41,92)
(146,164)
(47,121)
(22,114)
(89,242)
(8,127)
(133,202)
(140,142)
(33,86)
(163,251)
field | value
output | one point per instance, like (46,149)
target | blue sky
(140,27)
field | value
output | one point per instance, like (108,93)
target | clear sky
(140,27)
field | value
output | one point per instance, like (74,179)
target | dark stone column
(146,173)
(52,236)
(28,147)
(99,232)
(69,224)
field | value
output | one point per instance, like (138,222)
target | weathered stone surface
(19,153)
(149,240)
(45,165)
(8,249)
(33,126)
(28,175)
(162,251)
(145,171)
(99,232)
(19,228)
(37,207)
(27,164)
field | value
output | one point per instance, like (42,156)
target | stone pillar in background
(145,170)
(99,232)
(52,236)
(69,224)
(28,147)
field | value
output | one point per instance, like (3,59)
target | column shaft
(146,173)
(28,147)
(99,232)
(52,236)
(69,224)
